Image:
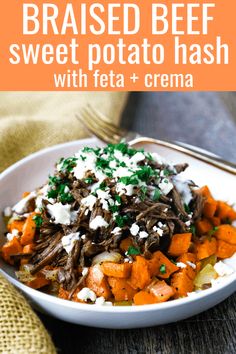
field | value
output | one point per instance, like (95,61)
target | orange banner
(117,45)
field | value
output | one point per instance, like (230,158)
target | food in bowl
(120,226)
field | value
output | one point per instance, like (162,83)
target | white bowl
(33,171)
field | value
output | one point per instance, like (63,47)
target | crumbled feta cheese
(15,232)
(66,189)
(103,194)
(223,269)
(183,188)
(7,212)
(100,301)
(122,188)
(188,223)
(22,205)
(191,264)
(9,236)
(68,241)
(165,186)
(116,230)
(83,237)
(112,164)
(85,271)
(160,231)
(160,224)
(86,294)
(138,157)
(98,222)
(134,230)
(89,201)
(143,234)
(61,213)
(181,265)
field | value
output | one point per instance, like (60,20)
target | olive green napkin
(30,121)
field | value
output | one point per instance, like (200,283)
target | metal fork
(100,126)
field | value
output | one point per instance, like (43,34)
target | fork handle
(203,156)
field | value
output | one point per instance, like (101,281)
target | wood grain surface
(209,121)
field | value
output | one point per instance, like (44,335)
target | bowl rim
(228,281)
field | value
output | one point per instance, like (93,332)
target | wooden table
(206,120)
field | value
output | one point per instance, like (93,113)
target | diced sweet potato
(225,212)
(120,289)
(116,270)
(190,260)
(10,248)
(27,249)
(179,244)
(226,233)
(140,274)
(225,249)
(182,284)
(29,230)
(204,191)
(160,290)
(215,221)
(144,298)
(203,227)
(16,225)
(209,208)
(63,294)
(97,282)
(205,247)
(39,282)
(161,266)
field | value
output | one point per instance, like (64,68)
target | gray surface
(206,120)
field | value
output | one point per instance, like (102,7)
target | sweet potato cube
(225,249)
(97,282)
(179,244)
(226,233)
(121,289)
(144,298)
(205,247)
(10,248)
(161,266)
(116,270)
(160,290)
(140,274)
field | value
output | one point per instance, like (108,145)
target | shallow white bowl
(33,171)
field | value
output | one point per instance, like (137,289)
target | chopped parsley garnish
(121,220)
(143,191)
(102,163)
(145,172)
(38,221)
(67,164)
(118,198)
(59,192)
(187,208)
(149,156)
(54,180)
(162,269)
(156,195)
(114,208)
(211,232)
(89,149)
(167,172)
(129,180)
(88,180)
(193,229)
(103,186)
(133,251)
